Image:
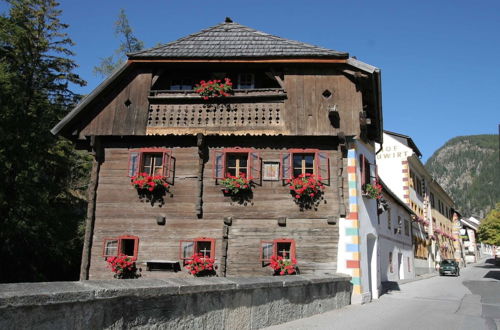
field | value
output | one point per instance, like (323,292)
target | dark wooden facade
(297,104)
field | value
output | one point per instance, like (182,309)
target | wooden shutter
(255,165)
(266,251)
(362,169)
(286,166)
(168,166)
(323,167)
(219,164)
(134,162)
(186,249)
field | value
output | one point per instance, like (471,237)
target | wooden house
(295,109)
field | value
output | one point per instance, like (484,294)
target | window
(153,161)
(234,161)
(433,203)
(389,219)
(181,84)
(302,161)
(282,247)
(400,225)
(202,245)
(367,171)
(127,245)
(246,81)
(302,164)
(391,269)
(407,227)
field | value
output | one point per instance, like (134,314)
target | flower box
(372,191)
(124,267)
(200,266)
(306,189)
(282,266)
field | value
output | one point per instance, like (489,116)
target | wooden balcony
(247,111)
(238,94)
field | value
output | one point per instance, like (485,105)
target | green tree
(129,44)
(43,177)
(489,230)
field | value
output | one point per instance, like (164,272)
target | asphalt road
(471,301)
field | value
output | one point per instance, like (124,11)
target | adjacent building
(434,227)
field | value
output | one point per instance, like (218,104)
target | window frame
(321,164)
(136,162)
(195,247)
(275,248)
(254,163)
(120,244)
(252,80)
(367,171)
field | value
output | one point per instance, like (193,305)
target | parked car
(449,267)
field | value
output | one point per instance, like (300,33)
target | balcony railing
(248,108)
(191,95)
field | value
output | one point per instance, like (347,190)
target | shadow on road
(494,274)
(390,286)
(490,263)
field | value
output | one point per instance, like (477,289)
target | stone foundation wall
(197,303)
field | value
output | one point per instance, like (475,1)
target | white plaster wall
(367,215)
(394,151)
(396,242)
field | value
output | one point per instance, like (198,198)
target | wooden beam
(275,76)
(286,60)
(92,196)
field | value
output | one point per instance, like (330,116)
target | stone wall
(197,303)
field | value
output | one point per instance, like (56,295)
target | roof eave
(61,125)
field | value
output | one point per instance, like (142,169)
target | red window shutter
(168,166)
(286,166)
(323,167)
(219,164)
(186,249)
(134,163)
(255,173)
(266,251)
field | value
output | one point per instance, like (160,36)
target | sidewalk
(389,286)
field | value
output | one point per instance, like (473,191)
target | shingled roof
(232,40)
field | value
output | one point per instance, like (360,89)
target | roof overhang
(73,115)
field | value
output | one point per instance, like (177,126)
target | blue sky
(439,59)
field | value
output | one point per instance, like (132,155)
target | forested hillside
(468,168)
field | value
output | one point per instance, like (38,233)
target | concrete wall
(197,303)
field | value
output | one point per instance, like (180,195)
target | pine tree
(129,44)
(41,208)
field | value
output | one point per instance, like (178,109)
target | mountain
(468,169)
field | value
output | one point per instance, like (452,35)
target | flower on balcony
(234,185)
(199,265)
(373,191)
(123,266)
(214,88)
(283,266)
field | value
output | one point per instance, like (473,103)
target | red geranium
(283,266)
(235,184)
(306,185)
(123,266)
(149,182)
(214,88)
(199,265)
